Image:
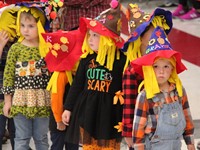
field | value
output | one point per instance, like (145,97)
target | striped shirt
(146,114)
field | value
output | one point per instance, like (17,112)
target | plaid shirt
(131,81)
(74,9)
(147,109)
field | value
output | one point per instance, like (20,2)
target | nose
(161,70)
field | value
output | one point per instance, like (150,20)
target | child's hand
(61,126)
(6,109)
(66,117)
(3,38)
(191,147)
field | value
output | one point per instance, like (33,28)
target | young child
(25,80)
(62,58)
(162,113)
(140,32)
(7,38)
(94,103)
(4,38)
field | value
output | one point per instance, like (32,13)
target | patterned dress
(26,77)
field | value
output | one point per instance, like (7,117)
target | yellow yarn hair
(160,21)
(106,52)
(133,51)
(39,16)
(150,83)
(86,48)
(8,21)
(52,85)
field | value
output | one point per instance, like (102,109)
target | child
(25,80)
(62,59)
(7,38)
(140,29)
(162,113)
(92,103)
(4,38)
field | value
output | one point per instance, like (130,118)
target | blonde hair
(107,51)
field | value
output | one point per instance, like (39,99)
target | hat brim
(148,60)
(65,61)
(87,23)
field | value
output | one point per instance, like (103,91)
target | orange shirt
(57,98)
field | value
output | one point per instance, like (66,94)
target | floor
(185,37)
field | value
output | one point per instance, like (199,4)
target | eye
(22,25)
(155,66)
(166,66)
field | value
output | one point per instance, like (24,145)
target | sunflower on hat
(158,47)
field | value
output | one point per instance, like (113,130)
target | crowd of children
(90,86)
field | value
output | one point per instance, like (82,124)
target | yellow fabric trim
(8,21)
(150,82)
(69,77)
(161,22)
(133,51)
(52,85)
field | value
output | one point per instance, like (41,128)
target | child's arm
(188,135)
(140,121)
(130,89)
(57,100)
(3,40)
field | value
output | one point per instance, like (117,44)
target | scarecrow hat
(64,49)
(139,20)
(108,23)
(8,19)
(40,6)
(158,46)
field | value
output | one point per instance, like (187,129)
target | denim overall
(170,127)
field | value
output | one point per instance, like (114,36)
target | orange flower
(119,127)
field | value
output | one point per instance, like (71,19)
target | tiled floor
(185,37)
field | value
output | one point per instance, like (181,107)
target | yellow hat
(8,21)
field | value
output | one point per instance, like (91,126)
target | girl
(92,102)
(25,81)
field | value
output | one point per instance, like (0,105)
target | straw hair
(106,52)
(40,19)
(150,83)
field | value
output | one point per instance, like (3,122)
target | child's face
(163,69)
(28,28)
(93,40)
